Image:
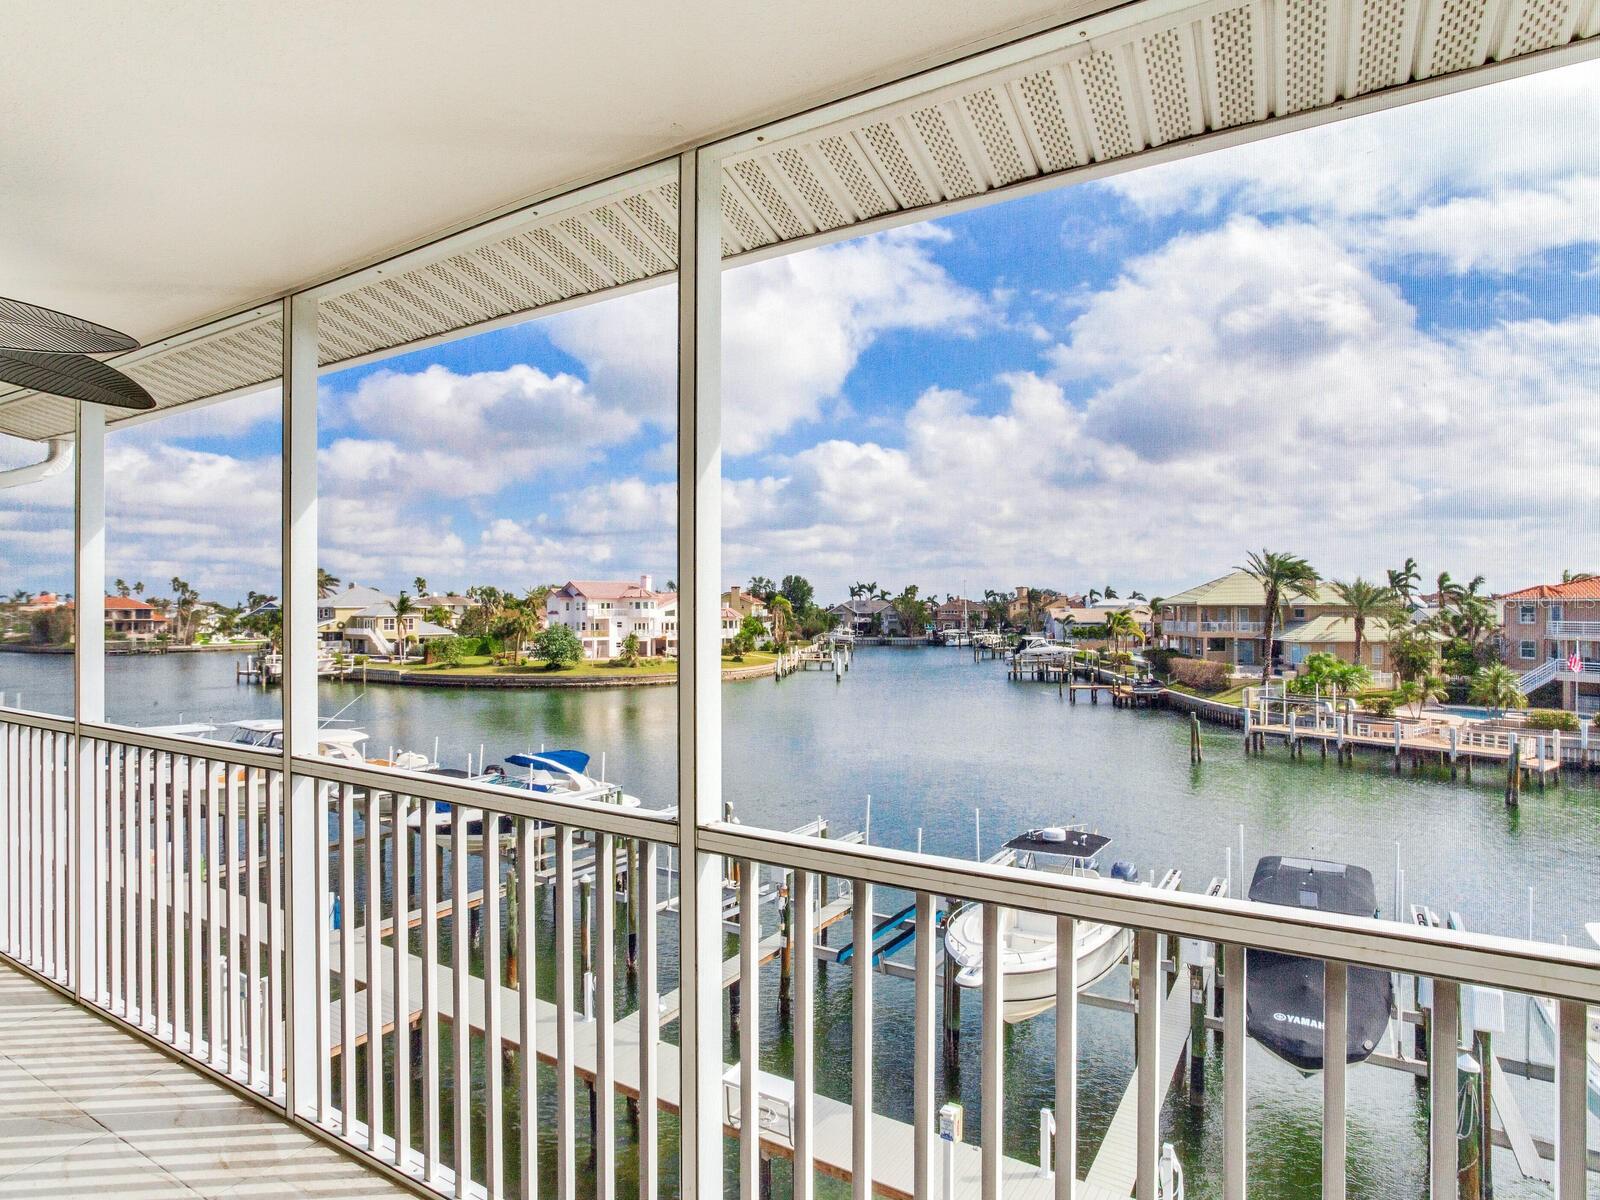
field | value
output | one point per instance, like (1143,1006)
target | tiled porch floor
(89,1111)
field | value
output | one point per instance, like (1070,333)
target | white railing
(1575,629)
(1587,667)
(1540,675)
(328,960)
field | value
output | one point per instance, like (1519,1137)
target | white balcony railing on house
(161,880)
(1538,676)
(1575,629)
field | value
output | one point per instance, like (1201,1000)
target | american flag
(1575,664)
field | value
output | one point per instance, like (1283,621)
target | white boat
(1028,940)
(558,774)
(1036,649)
(1544,1012)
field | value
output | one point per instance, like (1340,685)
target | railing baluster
(805,972)
(994,993)
(130,872)
(372,927)
(527,1005)
(1233,1073)
(193,915)
(605,1089)
(749,1028)
(650,1031)
(234,1058)
(1572,1118)
(566,1081)
(163,900)
(50,959)
(400,881)
(254,781)
(1444,1038)
(217,1001)
(1066,1144)
(461,998)
(861,924)
(430,990)
(348,1007)
(113,907)
(8,848)
(493,1048)
(1335,1026)
(177,807)
(276,1017)
(149,1011)
(924,1036)
(1148,1066)
(324,952)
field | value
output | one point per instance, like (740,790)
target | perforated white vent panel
(1139,81)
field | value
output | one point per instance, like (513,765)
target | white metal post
(89,699)
(1444,1040)
(1066,1147)
(1572,1118)
(992,1135)
(699,666)
(926,1034)
(1148,1067)
(1233,1072)
(1335,1027)
(299,606)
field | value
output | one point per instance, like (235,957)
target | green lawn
(1233,695)
(482,665)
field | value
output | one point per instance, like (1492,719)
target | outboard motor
(1125,871)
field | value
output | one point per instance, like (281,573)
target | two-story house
(1552,632)
(1225,620)
(133,619)
(603,613)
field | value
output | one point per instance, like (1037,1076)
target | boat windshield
(257,737)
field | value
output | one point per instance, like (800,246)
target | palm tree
(782,619)
(1364,600)
(1282,577)
(995,607)
(763,588)
(1155,603)
(1418,692)
(421,585)
(1496,688)
(404,606)
(1576,576)
(1448,589)
(327,584)
(138,587)
(1122,628)
(1109,593)
(1404,582)
(122,588)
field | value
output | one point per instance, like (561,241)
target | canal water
(953,748)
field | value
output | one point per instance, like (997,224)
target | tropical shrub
(1379,703)
(1088,633)
(558,646)
(1161,659)
(446,651)
(1552,718)
(1201,674)
(1320,672)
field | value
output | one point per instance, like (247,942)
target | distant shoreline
(523,680)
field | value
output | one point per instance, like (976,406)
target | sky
(1372,340)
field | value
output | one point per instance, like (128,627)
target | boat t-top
(1028,939)
(557,774)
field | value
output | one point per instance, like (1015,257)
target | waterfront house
(132,619)
(335,611)
(453,604)
(605,612)
(866,615)
(376,630)
(1551,633)
(1061,619)
(747,605)
(1224,619)
(957,613)
(1335,633)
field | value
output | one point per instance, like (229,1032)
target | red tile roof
(126,602)
(1578,589)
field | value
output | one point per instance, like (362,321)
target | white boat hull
(1030,984)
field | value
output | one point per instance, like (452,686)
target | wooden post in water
(1197,1033)
(786,919)
(635,890)
(1196,754)
(952,1017)
(1514,774)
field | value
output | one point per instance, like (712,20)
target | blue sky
(1369,340)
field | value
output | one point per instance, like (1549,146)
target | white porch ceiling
(1152,74)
